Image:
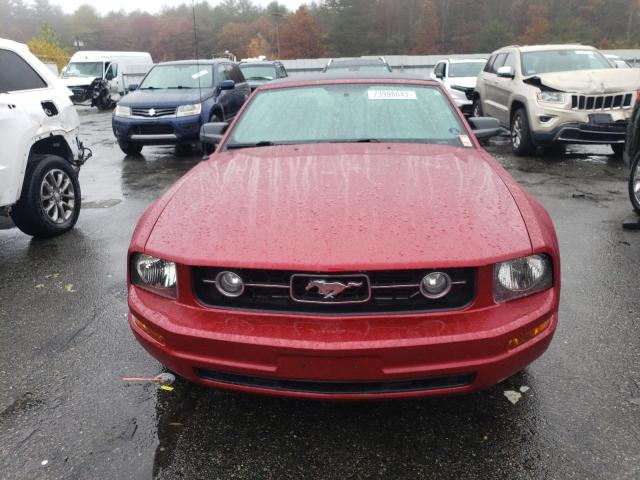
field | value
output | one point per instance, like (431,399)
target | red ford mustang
(348,239)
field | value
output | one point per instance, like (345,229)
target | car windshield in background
(258,72)
(356,112)
(549,61)
(467,69)
(179,76)
(84,69)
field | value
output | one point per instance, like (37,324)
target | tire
(209,149)
(129,148)
(476,110)
(634,183)
(183,149)
(50,201)
(521,142)
(618,149)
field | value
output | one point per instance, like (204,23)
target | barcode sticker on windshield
(392,95)
(201,73)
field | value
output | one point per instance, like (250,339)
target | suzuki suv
(550,94)
(41,154)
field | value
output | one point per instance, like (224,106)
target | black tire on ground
(634,183)
(130,148)
(618,149)
(477,107)
(183,149)
(50,201)
(206,148)
(521,142)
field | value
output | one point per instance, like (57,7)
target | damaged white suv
(558,94)
(41,154)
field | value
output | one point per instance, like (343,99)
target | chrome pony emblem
(152,112)
(330,289)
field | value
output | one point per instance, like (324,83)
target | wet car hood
(341,207)
(466,82)
(165,97)
(77,81)
(593,82)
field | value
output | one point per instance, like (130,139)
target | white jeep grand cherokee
(554,94)
(41,154)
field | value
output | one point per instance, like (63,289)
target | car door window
(236,74)
(222,74)
(16,74)
(439,70)
(112,72)
(510,61)
(499,62)
(283,71)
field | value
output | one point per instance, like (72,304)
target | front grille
(156,111)
(601,102)
(370,387)
(394,291)
(152,129)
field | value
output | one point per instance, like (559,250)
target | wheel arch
(516,104)
(51,145)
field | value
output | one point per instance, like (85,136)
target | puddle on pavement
(101,203)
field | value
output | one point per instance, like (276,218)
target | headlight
(187,110)
(521,277)
(550,97)
(154,274)
(122,111)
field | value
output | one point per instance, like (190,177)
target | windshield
(550,61)
(380,67)
(348,113)
(258,72)
(178,76)
(84,69)
(467,69)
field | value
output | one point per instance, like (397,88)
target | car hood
(164,98)
(593,82)
(342,207)
(466,82)
(77,81)
(257,83)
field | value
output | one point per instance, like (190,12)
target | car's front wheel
(521,141)
(634,184)
(129,148)
(49,204)
(477,107)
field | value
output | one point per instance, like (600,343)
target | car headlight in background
(521,277)
(550,97)
(122,111)
(188,110)
(154,274)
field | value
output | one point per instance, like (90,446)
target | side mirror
(440,75)
(484,127)
(213,133)
(506,72)
(228,85)
(133,87)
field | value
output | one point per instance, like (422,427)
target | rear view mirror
(133,87)
(484,127)
(228,85)
(506,72)
(213,133)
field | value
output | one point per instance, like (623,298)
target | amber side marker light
(147,329)
(529,334)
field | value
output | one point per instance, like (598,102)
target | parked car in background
(556,94)
(360,244)
(459,77)
(616,61)
(41,153)
(259,73)
(175,99)
(103,77)
(362,64)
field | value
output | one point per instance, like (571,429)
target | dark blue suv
(175,99)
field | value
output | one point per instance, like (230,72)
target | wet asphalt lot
(65,344)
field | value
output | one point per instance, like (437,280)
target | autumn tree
(258,46)
(300,36)
(427,36)
(47,48)
(236,37)
(537,27)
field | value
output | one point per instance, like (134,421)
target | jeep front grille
(602,102)
(395,291)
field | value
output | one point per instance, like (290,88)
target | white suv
(459,77)
(41,154)
(549,94)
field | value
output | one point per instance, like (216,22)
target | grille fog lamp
(435,285)
(229,284)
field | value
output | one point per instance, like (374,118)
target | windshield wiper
(148,88)
(180,87)
(235,146)
(259,78)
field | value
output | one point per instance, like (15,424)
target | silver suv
(550,94)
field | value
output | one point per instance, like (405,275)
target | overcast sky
(152,6)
